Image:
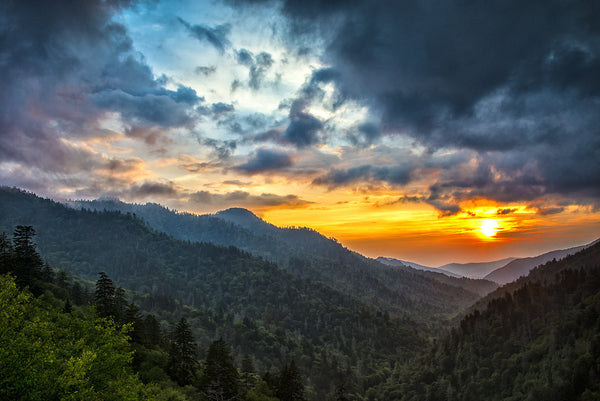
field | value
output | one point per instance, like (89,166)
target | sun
(488,227)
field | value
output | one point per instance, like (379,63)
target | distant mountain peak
(237,211)
(243,217)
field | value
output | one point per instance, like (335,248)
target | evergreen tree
(182,361)
(104,297)
(47,273)
(27,262)
(6,254)
(152,332)
(248,374)
(132,315)
(78,294)
(340,391)
(120,305)
(221,378)
(289,384)
(68,308)
(62,278)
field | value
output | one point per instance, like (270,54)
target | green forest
(98,305)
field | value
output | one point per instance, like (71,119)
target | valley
(283,295)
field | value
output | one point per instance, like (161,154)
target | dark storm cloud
(64,65)
(419,58)
(263,63)
(206,70)
(148,108)
(312,90)
(221,148)
(151,189)
(264,160)
(271,135)
(365,134)
(516,82)
(258,66)
(243,198)
(132,191)
(505,211)
(217,36)
(244,57)
(220,108)
(304,128)
(399,175)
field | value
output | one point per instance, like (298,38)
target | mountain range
(310,255)
(291,294)
(500,272)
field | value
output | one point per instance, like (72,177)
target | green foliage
(104,296)
(21,259)
(252,304)
(182,362)
(221,380)
(288,384)
(539,342)
(46,354)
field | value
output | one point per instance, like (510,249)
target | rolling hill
(307,254)
(255,306)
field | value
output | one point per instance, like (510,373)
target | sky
(429,131)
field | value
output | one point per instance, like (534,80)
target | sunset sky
(430,131)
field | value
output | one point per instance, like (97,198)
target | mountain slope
(522,266)
(538,341)
(585,259)
(398,262)
(479,286)
(476,270)
(249,301)
(308,254)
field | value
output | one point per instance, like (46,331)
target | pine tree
(182,362)
(47,273)
(248,373)
(221,378)
(68,308)
(289,384)
(152,332)
(105,296)
(6,254)
(27,262)
(120,305)
(340,391)
(78,294)
(132,315)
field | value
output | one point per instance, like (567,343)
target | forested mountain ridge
(476,269)
(255,306)
(99,346)
(588,257)
(397,262)
(534,339)
(308,254)
(479,286)
(522,266)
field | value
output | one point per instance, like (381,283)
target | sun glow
(488,227)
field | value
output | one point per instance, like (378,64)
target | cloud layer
(444,102)
(516,83)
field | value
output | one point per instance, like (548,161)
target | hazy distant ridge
(522,266)
(398,262)
(476,270)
